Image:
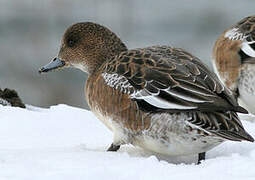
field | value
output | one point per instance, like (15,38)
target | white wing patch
(160,103)
(120,82)
(235,34)
(246,48)
(188,98)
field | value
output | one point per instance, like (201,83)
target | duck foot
(201,157)
(113,147)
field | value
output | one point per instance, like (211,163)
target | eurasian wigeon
(159,98)
(234,61)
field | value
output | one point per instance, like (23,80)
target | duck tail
(240,109)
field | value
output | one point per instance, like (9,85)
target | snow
(67,143)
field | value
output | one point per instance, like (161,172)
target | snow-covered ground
(67,143)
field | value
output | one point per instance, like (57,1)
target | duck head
(85,46)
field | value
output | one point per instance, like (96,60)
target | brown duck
(159,98)
(234,60)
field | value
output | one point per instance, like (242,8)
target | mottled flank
(159,98)
(233,58)
(10,98)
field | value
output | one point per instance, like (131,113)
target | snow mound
(67,143)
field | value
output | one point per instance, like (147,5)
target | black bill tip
(42,70)
(56,63)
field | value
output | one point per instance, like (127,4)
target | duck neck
(106,53)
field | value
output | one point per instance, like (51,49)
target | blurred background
(30,33)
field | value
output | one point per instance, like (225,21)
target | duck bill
(56,63)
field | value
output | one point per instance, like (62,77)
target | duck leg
(113,147)
(201,156)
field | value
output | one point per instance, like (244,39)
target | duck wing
(162,78)
(165,79)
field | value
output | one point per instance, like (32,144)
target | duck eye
(70,43)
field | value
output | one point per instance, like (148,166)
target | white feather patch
(246,48)
(234,34)
(158,102)
(120,82)
(155,101)
(187,98)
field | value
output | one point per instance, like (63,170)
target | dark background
(30,33)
